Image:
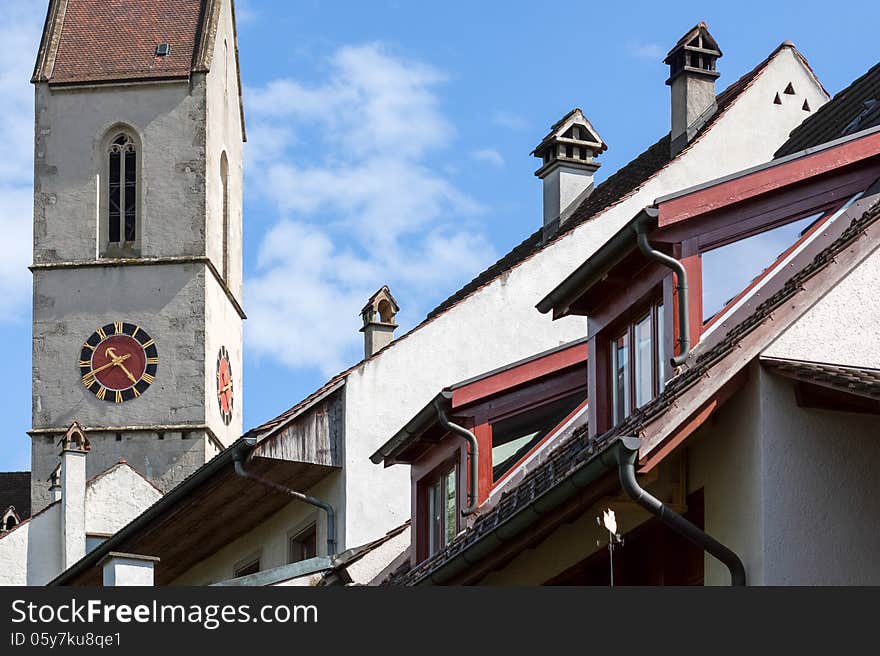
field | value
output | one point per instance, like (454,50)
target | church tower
(137,319)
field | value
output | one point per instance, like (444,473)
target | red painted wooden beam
(517,375)
(768,179)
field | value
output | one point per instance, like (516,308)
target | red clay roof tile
(104,40)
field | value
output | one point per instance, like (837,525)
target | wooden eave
(421,433)
(192,527)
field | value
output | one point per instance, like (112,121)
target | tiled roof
(15,490)
(116,39)
(850,111)
(580,449)
(862,381)
(610,192)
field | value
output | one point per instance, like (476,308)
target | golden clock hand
(125,371)
(121,358)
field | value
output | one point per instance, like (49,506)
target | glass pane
(514,437)
(114,202)
(620,378)
(661,351)
(130,194)
(728,270)
(451,508)
(644,361)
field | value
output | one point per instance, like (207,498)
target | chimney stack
(567,154)
(74,447)
(692,78)
(378,316)
(55,483)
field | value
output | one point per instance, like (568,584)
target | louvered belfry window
(122,202)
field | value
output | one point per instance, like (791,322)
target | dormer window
(637,356)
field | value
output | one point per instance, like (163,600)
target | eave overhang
(206,511)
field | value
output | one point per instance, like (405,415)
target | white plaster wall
(44,556)
(842,327)
(116,498)
(224,133)
(384,393)
(269,539)
(32,553)
(13,556)
(725,459)
(168,119)
(821,492)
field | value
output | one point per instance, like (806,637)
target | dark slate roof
(850,111)
(580,449)
(15,490)
(610,192)
(862,381)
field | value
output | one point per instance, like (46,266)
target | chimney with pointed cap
(568,163)
(692,78)
(74,447)
(378,317)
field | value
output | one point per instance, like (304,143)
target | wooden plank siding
(314,436)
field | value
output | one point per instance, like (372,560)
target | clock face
(118,362)
(224,385)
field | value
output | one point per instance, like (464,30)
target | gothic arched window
(122,190)
(224,183)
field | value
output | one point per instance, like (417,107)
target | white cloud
(20,24)
(646,50)
(353,169)
(489,156)
(509,120)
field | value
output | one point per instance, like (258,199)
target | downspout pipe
(239,456)
(474,457)
(681,287)
(627,455)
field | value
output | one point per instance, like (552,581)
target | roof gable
(855,108)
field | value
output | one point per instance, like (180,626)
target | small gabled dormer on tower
(378,316)
(568,155)
(692,78)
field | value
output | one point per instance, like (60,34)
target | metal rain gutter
(239,455)
(621,454)
(473,456)
(627,455)
(649,215)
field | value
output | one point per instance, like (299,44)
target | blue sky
(384,136)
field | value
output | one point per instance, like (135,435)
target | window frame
(123,248)
(426,522)
(240,568)
(655,309)
(295,537)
